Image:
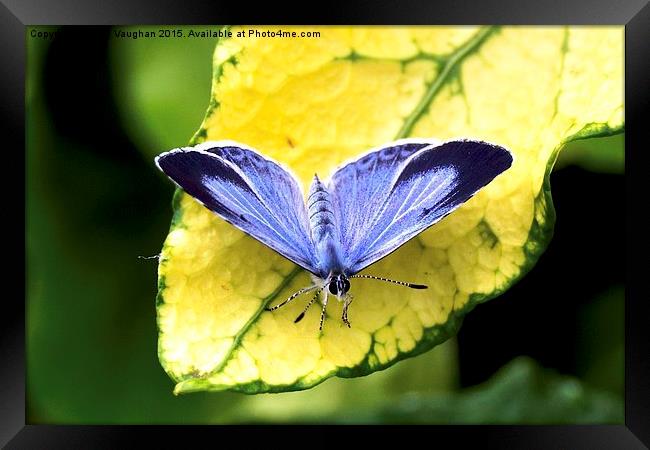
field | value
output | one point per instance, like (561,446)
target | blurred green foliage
(522,392)
(603,155)
(91,320)
(162,86)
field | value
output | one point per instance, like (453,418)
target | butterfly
(369,207)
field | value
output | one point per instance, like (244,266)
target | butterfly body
(324,230)
(367,209)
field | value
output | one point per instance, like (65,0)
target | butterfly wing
(256,195)
(389,196)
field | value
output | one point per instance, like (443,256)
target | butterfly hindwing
(407,193)
(256,195)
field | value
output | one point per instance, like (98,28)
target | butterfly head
(338,284)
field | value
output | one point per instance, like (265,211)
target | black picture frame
(15,15)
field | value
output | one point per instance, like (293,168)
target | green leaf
(521,392)
(312,103)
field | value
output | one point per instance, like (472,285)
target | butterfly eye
(346,286)
(333,288)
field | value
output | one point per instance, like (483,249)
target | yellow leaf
(312,103)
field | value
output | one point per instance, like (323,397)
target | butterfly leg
(294,295)
(311,302)
(346,305)
(322,314)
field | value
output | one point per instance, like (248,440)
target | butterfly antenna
(311,302)
(401,283)
(149,257)
(294,295)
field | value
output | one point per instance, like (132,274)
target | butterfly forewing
(254,194)
(360,189)
(416,191)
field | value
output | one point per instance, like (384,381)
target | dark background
(95,202)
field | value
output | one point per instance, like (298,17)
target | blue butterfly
(370,206)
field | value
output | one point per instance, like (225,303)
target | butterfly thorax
(324,231)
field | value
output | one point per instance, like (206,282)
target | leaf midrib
(451,62)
